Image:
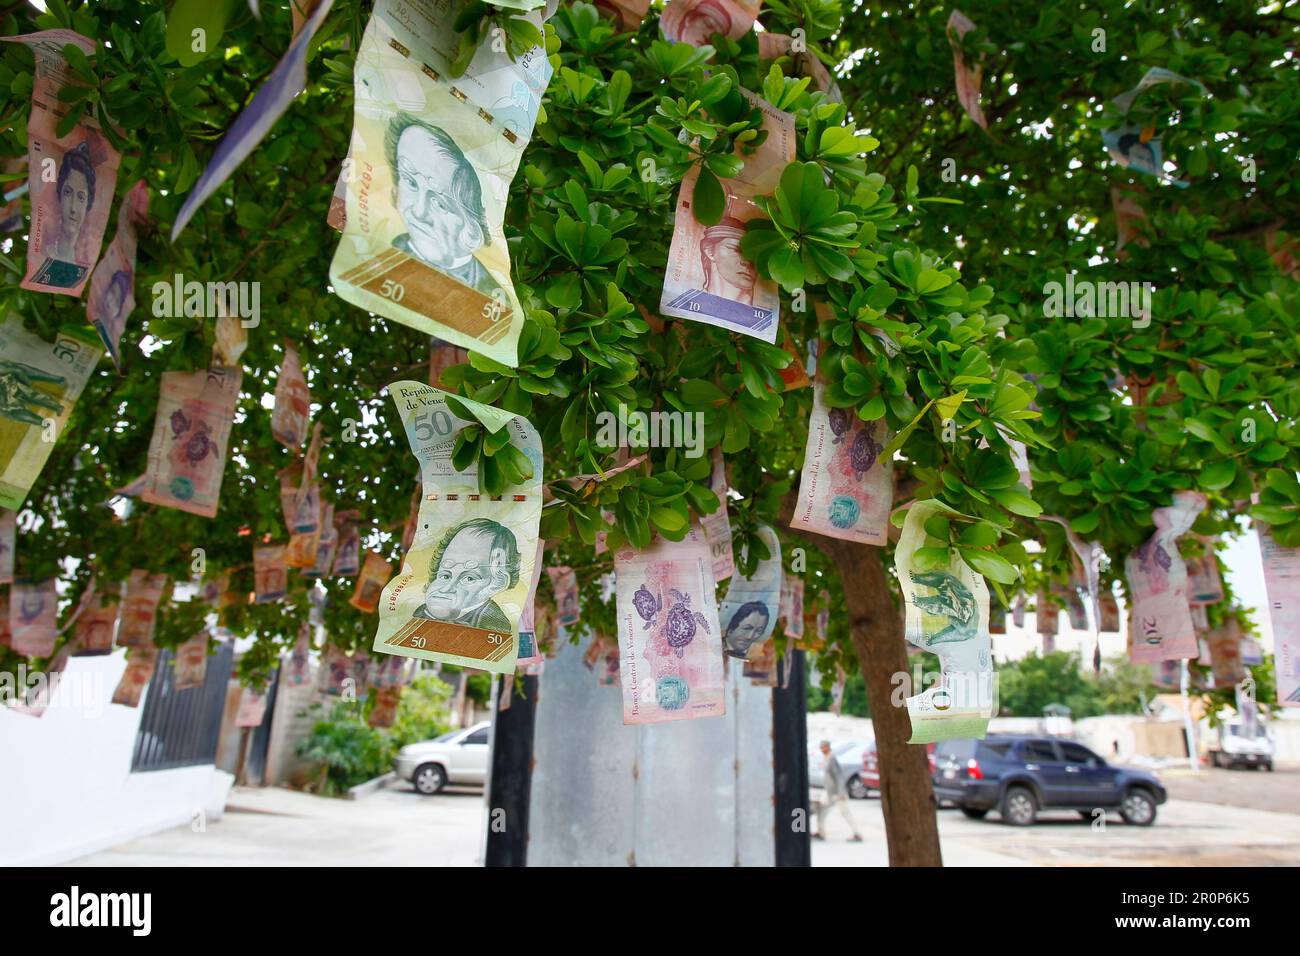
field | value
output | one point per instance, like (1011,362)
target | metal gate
(179,728)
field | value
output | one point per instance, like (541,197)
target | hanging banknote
(1225,653)
(1282,586)
(191,662)
(95,626)
(846,487)
(707,278)
(717,526)
(33,618)
(70,178)
(432,162)
(286,81)
(1204,585)
(1109,611)
(695,21)
(144,592)
(6,636)
(792,606)
(1157,580)
(669,639)
(375,573)
(112,287)
(191,436)
(806,62)
(627,13)
(968,78)
(1155,76)
(11,213)
(292,402)
(530,651)
(252,708)
(325,545)
(947,613)
(748,615)
(347,559)
(40,382)
(465,580)
(761,667)
(297,667)
(564,584)
(270,576)
(1047,616)
(140,664)
(8,541)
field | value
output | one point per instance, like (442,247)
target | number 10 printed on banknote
(465,580)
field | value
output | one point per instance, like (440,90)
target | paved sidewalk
(272,826)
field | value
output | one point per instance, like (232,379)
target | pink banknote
(564,584)
(191,436)
(70,178)
(33,618)
(192,662)
(270,573)
(695,21)
(968,78)
(669,641)
(1157,579)
(717,526)
(144,592)
(112,287)
(847,487)
(292,402)
(140,664)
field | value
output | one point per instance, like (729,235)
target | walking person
(835,787)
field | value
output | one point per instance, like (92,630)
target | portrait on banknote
(747,626)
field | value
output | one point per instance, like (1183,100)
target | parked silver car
(458,757)
(848,754)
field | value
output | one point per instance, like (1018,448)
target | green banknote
(465,579)
(948,615)
(426,192)
(39,383)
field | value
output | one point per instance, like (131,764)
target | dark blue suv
(1019,776)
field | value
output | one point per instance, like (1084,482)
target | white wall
(69,790)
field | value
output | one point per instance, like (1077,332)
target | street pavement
(1238,818)
(397,827)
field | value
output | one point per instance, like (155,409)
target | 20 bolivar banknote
(465,580)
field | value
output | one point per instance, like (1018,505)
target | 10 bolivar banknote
(669,641)
(465,579)
(707,278)
(948,615)
(428,181)
(39,383)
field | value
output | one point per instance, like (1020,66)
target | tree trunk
(876,628)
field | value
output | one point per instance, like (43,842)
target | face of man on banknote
(75,193)
(727,273)
(747,627)
(438,196)
(476,561)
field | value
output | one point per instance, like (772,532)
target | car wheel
(974,813)
(1019,807)
(1138,808)
(1269,766)
(429,779)
(857,789)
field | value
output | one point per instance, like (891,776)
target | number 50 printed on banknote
(465,580)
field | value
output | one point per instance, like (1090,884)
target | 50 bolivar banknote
(948,615)
(427,185)
(465,579)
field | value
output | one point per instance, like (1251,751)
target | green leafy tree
(862,223)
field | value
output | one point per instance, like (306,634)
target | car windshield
(1237,730)
(955,750)
(449,735)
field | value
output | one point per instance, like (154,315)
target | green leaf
(708,201)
